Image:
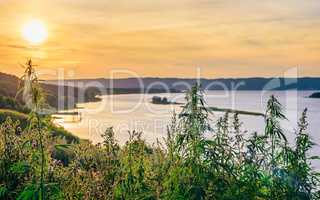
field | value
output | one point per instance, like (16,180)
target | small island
(163,101)
(315,95)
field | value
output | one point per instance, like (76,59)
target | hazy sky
(224,38)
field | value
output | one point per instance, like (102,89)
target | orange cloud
(166,38)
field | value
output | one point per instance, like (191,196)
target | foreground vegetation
(186,165)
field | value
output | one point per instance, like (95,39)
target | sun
(35,32)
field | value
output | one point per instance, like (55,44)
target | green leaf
(29,193)
(3,192)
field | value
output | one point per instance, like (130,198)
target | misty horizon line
(187,78)
(177,77)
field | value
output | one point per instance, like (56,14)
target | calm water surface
(135,112)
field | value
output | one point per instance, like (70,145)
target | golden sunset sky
(165,38)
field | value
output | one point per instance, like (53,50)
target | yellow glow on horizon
(35,32)
(163,38)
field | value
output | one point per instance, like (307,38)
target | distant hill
(67,95)
(305,83)
(9,86)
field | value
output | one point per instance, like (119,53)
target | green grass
(14,115)
(23,119)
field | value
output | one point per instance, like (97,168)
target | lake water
(135,112)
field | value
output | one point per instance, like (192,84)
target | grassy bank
(23,119)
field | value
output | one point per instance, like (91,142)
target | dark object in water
(163,101)
(315,95)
